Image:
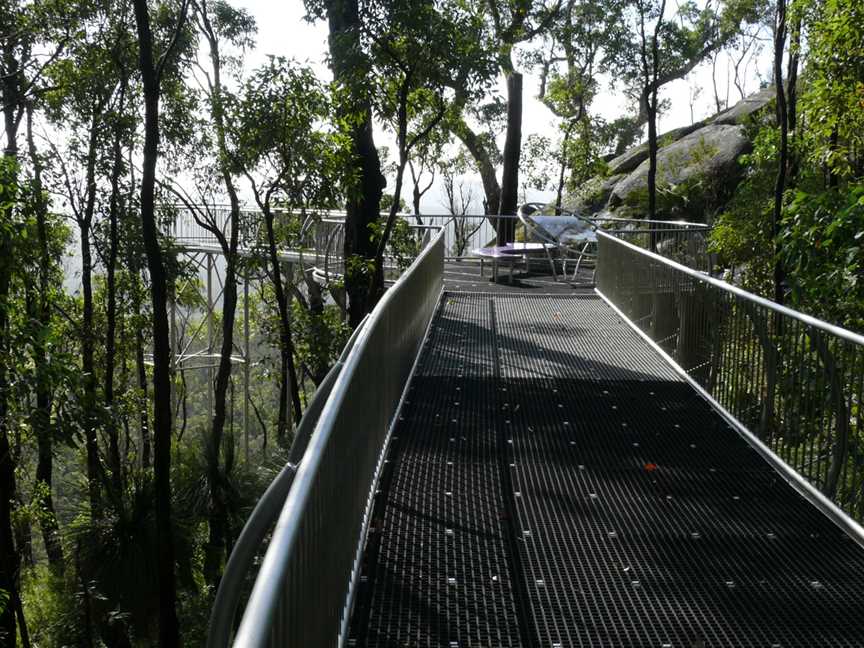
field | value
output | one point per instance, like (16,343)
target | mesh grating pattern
(553,483)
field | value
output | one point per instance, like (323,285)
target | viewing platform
(641,456)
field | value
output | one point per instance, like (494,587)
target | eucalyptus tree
(86,87)
(25,28)
(458,200)
(121,131)
(650,87)
(416,49)
(292,162)
(40,312)
(350,63)
(662,46)
(515,22)
(423,167)
(501,27)
(780,33)
(570,60)
(222,27)
(152,66)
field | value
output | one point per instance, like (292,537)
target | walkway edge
(370,504)
(789,474)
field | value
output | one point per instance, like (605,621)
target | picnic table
(509,253)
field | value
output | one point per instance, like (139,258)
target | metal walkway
(553,482)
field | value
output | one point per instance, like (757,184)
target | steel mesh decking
(552,482)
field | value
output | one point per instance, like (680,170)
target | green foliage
(387,202)
(320,335)
(742,232)
(833,99)
(822,247)
(279,138)
(403,245)
(538,167)
(52,606)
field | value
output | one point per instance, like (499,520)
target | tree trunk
(364,203)
(217,518)
(288,371)
(472,142)
(143,409)
(169,631)
(512,152)
(41,417)
(88,367)
(563,167)
(792,99)
(652,118)
(9,557)
(782,120)
(114,461)
(415,199)
(652,161)
(218,508)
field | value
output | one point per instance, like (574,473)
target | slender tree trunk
(792,99)
(217,518)
(143,409)
(9,556)
(512,152)
(169,631)
(415,198)
(491,188)
(782,120)
(88,367)
(288,374)
(365,202)
(134,264)
(218,508)
(652,160)
(41,417)
(401,137)
(652,119)
(563,167)
(649,100)
(114,461)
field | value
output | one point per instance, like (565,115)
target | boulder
(629,160)
(711,151)
(746,107)
(592,195)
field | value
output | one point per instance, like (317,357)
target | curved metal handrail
(809,320)
(266,511)
(647,221)
(298,591)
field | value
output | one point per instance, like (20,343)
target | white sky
(282,31)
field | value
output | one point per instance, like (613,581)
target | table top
(509,250)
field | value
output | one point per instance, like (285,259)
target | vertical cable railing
(795,382)
(302,596)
